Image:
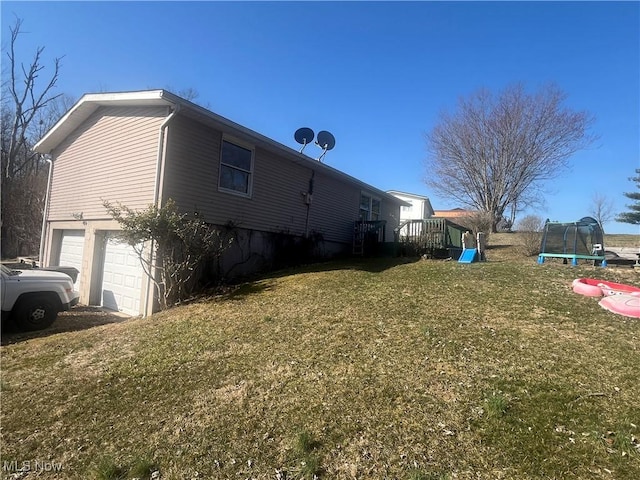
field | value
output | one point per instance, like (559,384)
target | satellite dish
(303,136)
(325,140)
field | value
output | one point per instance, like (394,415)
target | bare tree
(495,152)
(601,209)
(26,112)
(190,94)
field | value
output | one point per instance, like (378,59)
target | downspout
(157,191)
(45,213)
(308,198)
(157,194)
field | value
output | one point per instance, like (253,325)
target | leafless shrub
(477,222)
(530,230)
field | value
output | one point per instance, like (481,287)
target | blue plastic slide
(469,255)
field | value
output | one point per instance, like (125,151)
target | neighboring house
(453,214)
(142,148)
(418,208)
(422,232)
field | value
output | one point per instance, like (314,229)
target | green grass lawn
(363,369)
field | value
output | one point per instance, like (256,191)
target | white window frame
(369,210)
(250,172)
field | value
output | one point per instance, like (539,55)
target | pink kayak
(592,287)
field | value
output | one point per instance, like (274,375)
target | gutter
(157,192)
(45,214)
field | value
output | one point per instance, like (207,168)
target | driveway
(78,318)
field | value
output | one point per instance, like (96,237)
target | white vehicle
(33,298)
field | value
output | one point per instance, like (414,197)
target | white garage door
(71,249)
(121,278)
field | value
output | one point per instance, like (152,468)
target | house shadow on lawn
(247,286)
(364,264)
(78,318)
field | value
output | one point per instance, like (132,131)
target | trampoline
(581,240)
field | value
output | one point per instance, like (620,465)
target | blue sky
(374,74)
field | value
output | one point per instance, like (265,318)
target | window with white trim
(236,168)
(369,207)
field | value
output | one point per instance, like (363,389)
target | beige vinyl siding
(278,187)
(391,213)
(113,156)
(336,206)
(334,209)
(276,203)
(191,168)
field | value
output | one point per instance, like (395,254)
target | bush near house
(181,244)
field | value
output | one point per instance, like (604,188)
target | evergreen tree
(633,216)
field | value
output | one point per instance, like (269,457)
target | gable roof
(90,102)
(410,195)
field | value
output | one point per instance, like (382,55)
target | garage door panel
(133,261)
(122,278)
(129,281)
(71,251)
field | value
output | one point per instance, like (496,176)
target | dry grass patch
(618,240)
